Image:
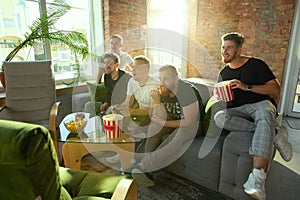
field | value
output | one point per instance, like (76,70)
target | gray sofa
(227,166)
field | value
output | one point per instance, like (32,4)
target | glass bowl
(76,123)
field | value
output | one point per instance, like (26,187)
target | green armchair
(29,169)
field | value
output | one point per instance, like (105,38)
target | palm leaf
(39,30)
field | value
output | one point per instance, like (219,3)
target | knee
(89,106)
(219,118)
(266,114)
(266,109)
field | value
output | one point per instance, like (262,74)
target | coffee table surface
(92,133)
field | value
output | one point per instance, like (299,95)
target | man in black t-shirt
(115,80)
(252,109)
(174,122)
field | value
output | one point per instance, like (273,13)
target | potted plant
(43,28)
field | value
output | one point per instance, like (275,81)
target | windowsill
(60,91)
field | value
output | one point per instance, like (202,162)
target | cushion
(98,92)
(30,90)
(213,105)
(83,183)
(27,154)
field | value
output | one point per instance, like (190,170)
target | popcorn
(224,91)
(113,125)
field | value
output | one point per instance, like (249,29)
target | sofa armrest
(79,100)
(53,126)
(126,189)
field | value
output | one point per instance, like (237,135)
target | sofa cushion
(212,107)
(236,164)
(30,90)
(25,158)
(205,171)
(98,92)
(281,183)
(86,183)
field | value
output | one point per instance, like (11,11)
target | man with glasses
(138,91)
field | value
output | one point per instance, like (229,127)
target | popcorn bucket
(112,125)
(224,91)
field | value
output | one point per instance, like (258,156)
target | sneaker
(282,144)
(255,185)
(113,159)
(142,178)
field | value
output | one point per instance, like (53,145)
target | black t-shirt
(117,89)
(184,97)
(253,72)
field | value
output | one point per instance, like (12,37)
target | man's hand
(104,107)
(158,120)
(154,94)
(235,83)
(121,109)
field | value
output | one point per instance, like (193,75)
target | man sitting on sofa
(252,109)
(115,80)
(174,124)
(138,90)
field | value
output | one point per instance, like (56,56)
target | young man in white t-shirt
(138,88)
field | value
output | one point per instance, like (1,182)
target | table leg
(73,153)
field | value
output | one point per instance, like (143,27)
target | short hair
(112,55)
(117,36)
(170,68)
(234,36)
(144,59)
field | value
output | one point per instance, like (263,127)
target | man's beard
(230,59)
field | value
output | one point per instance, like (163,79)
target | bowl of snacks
(76,123)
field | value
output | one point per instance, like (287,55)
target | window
(167,43)
(290,103)
(16,16)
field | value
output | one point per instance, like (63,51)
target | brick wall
(125,17)
(266,25)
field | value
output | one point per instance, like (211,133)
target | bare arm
(271,87)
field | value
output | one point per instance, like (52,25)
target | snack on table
(112,125)
(76,125)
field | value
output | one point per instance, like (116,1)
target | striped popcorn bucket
(112,125)
(224,91)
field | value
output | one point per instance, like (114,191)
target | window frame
(95,34)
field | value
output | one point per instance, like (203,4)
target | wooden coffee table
(92,139)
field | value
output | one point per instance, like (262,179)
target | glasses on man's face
(139,67)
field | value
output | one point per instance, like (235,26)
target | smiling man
(125,60)
(138,90)
(115,80)
(252,109)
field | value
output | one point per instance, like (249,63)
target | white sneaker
(282,144)
(255,185)
(113,159)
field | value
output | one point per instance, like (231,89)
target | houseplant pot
(43,29)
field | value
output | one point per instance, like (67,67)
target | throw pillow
(98,92)
(213,105)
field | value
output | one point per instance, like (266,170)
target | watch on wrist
(249,88)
